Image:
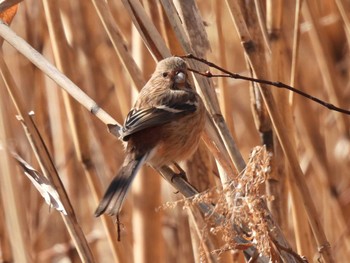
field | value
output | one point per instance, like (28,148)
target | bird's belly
(179,141)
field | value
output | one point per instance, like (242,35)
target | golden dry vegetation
(288,201)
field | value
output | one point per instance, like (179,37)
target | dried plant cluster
(247,210)
(244,211)
(78,66)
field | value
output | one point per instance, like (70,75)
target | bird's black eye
(165,74)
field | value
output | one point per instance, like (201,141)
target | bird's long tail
(113,199)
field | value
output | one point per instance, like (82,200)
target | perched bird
(163,127)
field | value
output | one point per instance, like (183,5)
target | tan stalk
(11,198)
(205,246)
(146,190)
(197,174)
(326,64)
(295,47)
(225,93)
(270,19)
(344,14)
(255,58)
(276,183)
(5,244)
(303,235)
(316,146)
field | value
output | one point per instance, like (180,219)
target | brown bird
(163,127)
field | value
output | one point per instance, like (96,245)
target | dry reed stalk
(205,245)
(296,45)
(12,200)
(322,48)
(185,237)
(262,119)
(211,137)
(193,25)
(5,244)
(198,43)
(145,219)
(302,231)
(345,17)
(225,94)
(276,184)
(316,139)
(317,148)
(169,34)
(313,142)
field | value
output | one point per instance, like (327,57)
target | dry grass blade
(41,183)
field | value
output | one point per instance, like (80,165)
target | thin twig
(277,84)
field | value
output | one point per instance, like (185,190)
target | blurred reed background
(109,49)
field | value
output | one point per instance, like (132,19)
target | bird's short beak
(180,77)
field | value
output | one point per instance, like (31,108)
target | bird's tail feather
(113,199)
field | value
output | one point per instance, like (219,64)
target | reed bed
(270,180)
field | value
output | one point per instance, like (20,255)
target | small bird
(162,128)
